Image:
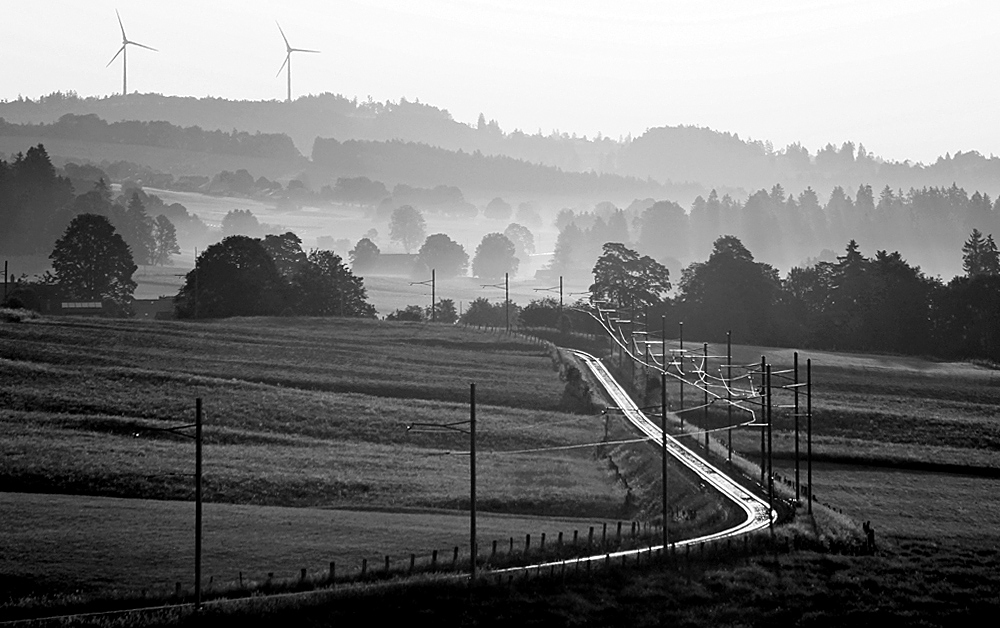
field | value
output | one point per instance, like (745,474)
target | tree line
(783,229)
(90,128)
(422,164)
(707,157)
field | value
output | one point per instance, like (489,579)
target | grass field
(93,544)
(871,409)
(307,413)
(304,412)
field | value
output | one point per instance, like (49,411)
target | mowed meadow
(306,415)
(297,412)
(910,444)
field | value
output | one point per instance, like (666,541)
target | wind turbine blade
(116,55)
(302,50)
(142,46)
(282,65)
(287,45)
(122,26)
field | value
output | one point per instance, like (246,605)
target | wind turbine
(288,60)
(124,53)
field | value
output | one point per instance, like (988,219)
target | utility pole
(809,431)
(663,342)
(5,280)
(663,427)
(196,273)
(705,420)
(473,549)
(197,505)
(506,298)
(763,417)
(770,468)
(729,388)
(433,284)
(681,369)
(796,369)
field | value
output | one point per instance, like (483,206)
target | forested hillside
(675,153)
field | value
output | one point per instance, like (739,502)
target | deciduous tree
(407,227)
(165,238)
(447,257)
(91,261)
(364,256)
(494,257)
(627,279)
(235,277)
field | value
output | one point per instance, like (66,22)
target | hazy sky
(910,79)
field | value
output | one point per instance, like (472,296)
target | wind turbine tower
(288,60)
(124,53)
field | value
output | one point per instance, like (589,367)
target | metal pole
(663,427)
(196,273)
(763,394)
(472,475)
(663,342)
(809,431)
(645,365)
(5,280)
(705,420)
(506,296)
(770,468)
(197,504)
(729,389)
(560,297)
(631,350)
(681,369)
(433,297)
(796,365)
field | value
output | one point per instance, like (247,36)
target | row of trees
(239,276)
(855,302)
(785,230)
(244,276)
(496,254)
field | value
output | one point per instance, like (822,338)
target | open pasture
(310,413)
(297,412)
(911,504)
(870,409)
(64,542)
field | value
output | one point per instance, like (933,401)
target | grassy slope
(873,409)
(299,412)
(303,412)
(109,542)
